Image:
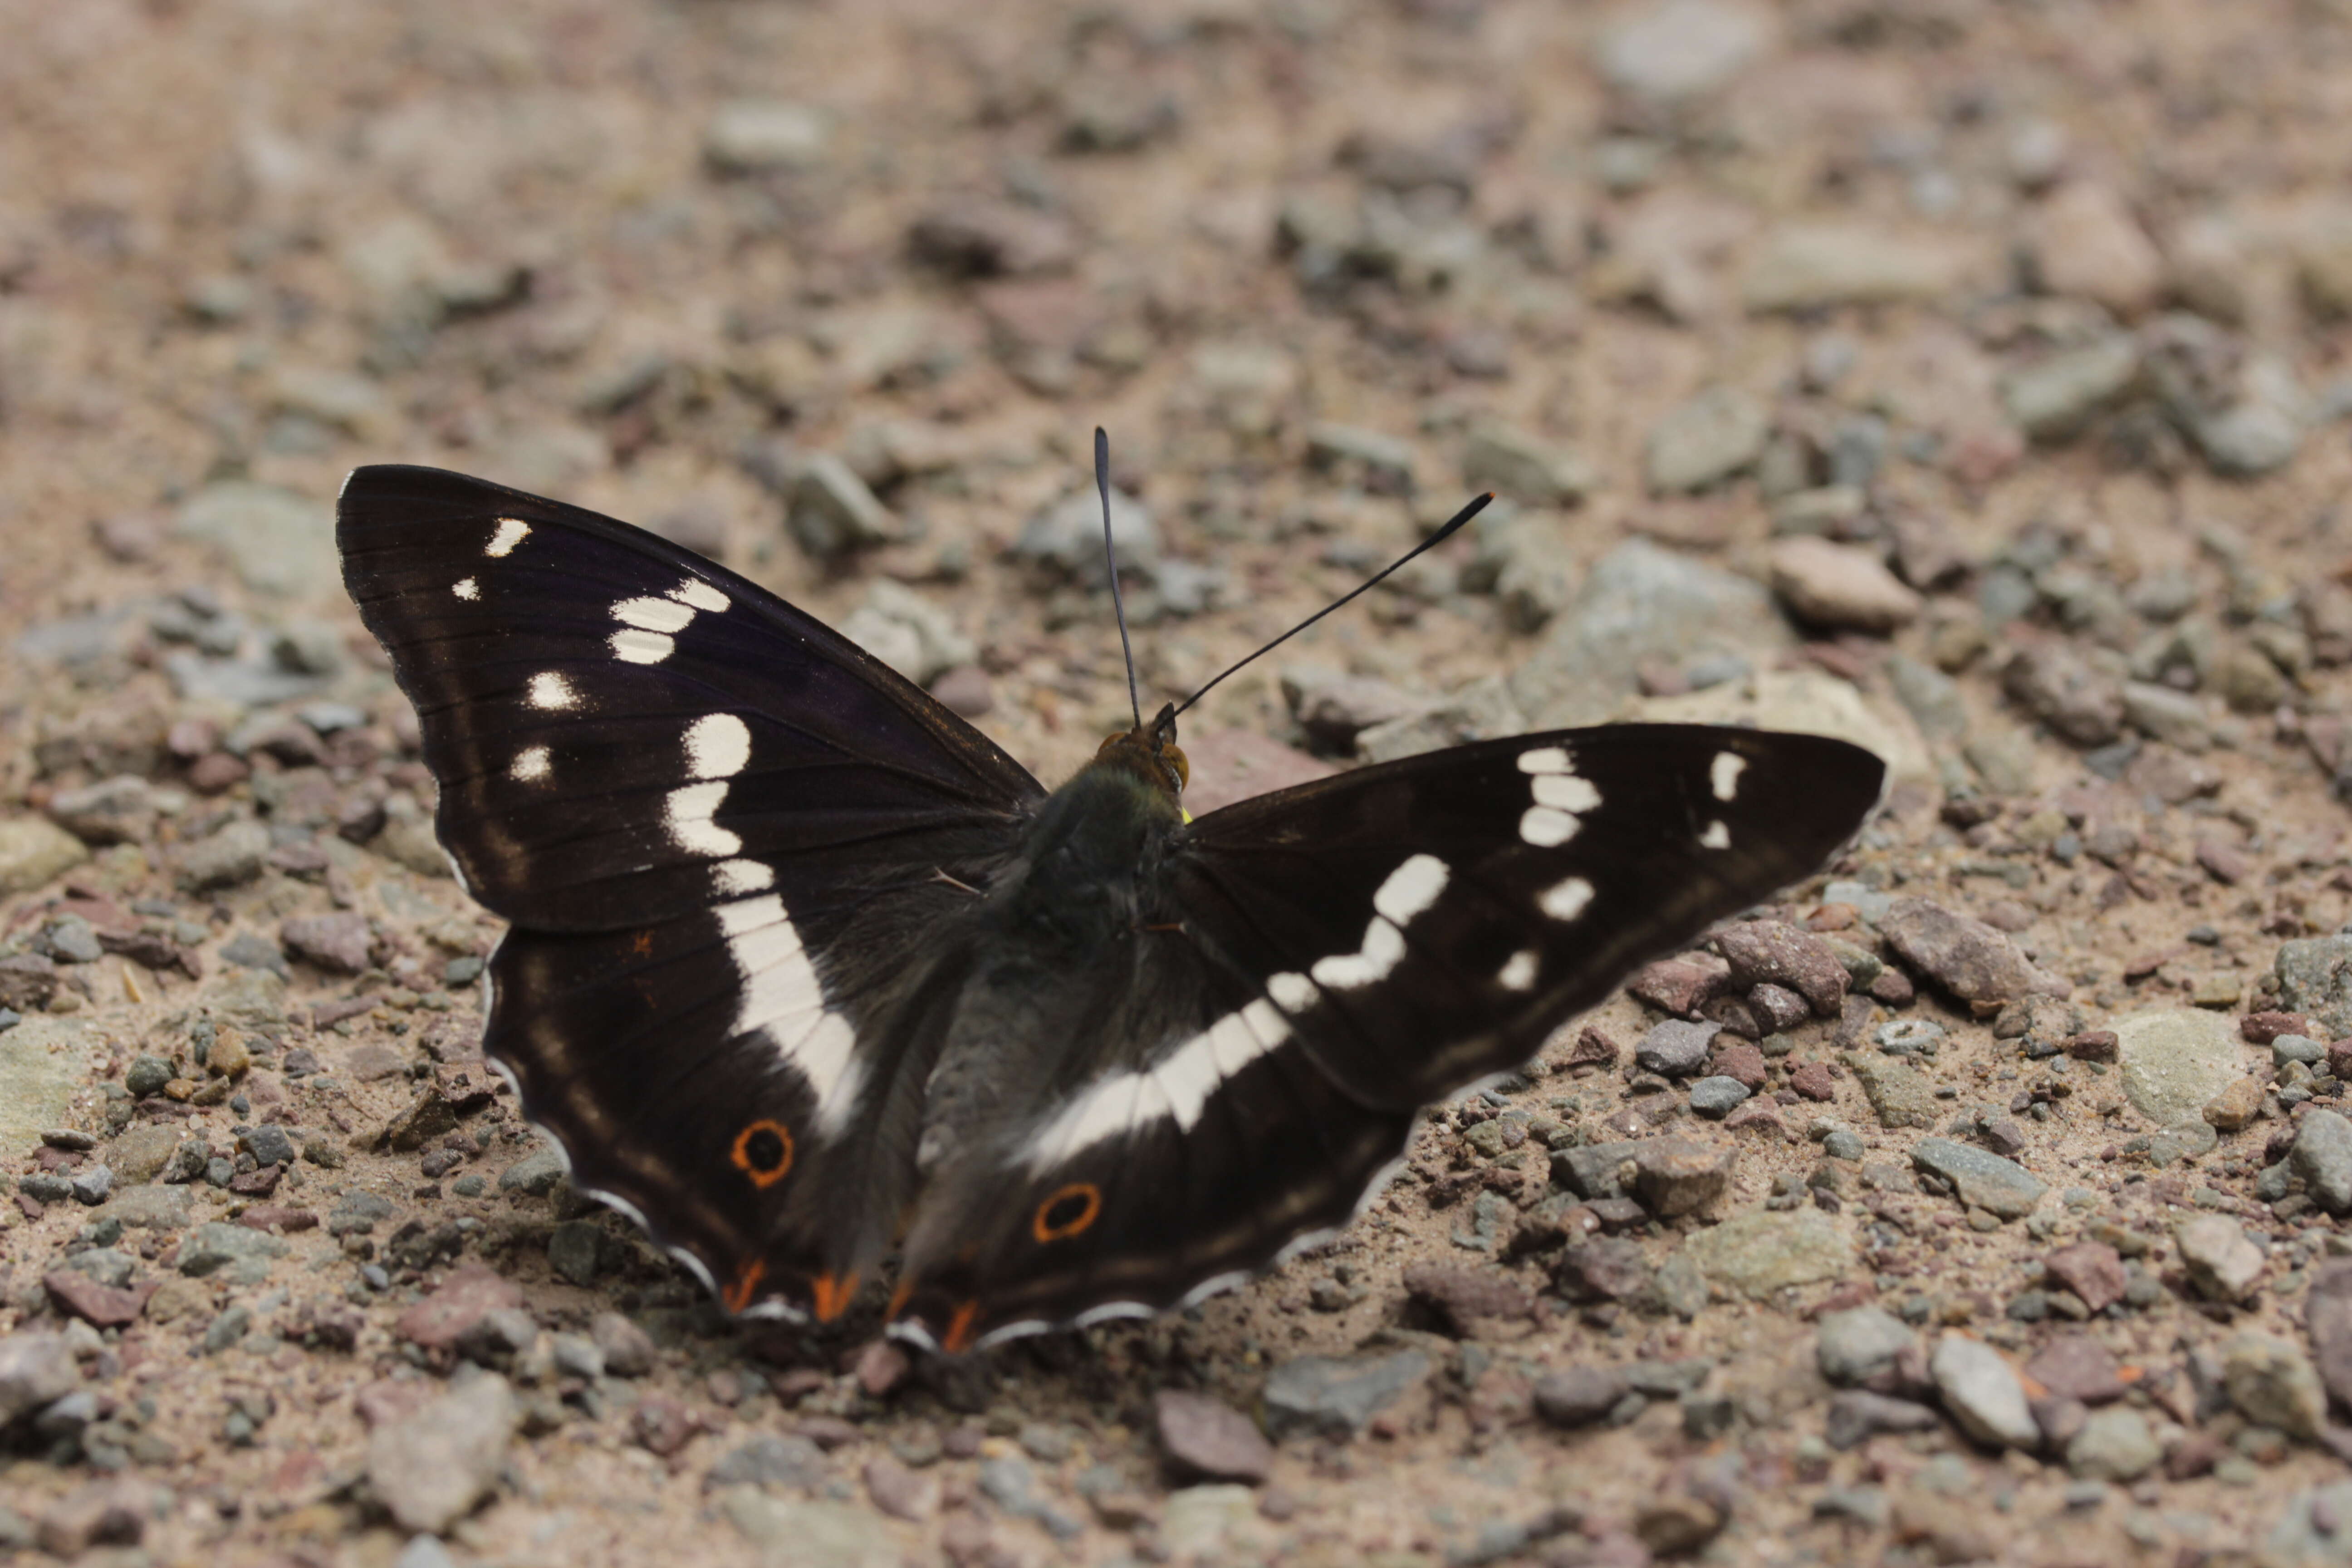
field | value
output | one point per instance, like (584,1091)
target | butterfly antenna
(1110,558)
(1452,526)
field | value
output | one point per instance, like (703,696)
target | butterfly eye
(1172,759)
(763,1152)
(1067,1212)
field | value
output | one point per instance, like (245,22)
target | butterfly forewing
(613,721)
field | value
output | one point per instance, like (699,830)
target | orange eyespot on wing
(763,1152)
(737,1294)
(830,1296)
(1067,1212)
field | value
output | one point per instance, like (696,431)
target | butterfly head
(1150,750)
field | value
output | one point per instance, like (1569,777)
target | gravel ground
(1964,378)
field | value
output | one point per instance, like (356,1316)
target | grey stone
(68,938)
(142,1152)
(246,1254)
(430,1469)
(2309,1532)
(536,1174)
(36,1369)
(43,1062)
(2055,398)
(1854,1345)
(1382,456)
(1982,1393)
(2115,1445)
(1579,1395)
(1809,266)
(575,1250)
(1717,1098)
(832,511)
(1197,1522)
(2301,1049)
(91,1185)
(1856,1415)
(2322,1156)
(1900,1095)
(268,1144)
(793,1533)
(2182,1141)
(1675,1049)
(767,1460)
(1334,1396)
(339,944)
(908,632)
(2315,977)
(1482,710)
(756,135)
(34,850)
(2159,712)
(235,682)
(1719,433)
(1673,50)
(1525,560)
(1759,1253)
(1514,464)
(1675,1176)
(2223,1264)
(357,1212)
(2274,1384)
(1598,1170)
(151,1208)
(1933,700)
(1202,1437)
(276,541)
(1640,602)
(1983,1178)
(118,810)
(2175,1060)
(1068,534)
(229,858)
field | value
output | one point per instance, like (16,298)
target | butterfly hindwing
(721,830)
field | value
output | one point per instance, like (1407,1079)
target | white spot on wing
(784,1003)
(1569,792)
(1411,889)
(717,746)
(694,591)
(529,764)
(687,813)
(1724,774)
(1566,901)
(1176,1088)
(465,588)
(1520,973)
(1291,992)
(1716,836)
(512,530)
(1545,827)
(1545,760)
(641,647)
(1382,950)
(663,616)
(551,691)
(743,875)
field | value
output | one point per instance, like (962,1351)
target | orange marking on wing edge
(641,944)
(1090,1197)
(762,1176)
(832,1296)
(899,1297)
(958,1335)
(737,1296)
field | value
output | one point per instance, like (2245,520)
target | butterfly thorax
(1054,932)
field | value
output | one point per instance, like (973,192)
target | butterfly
(827,992)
